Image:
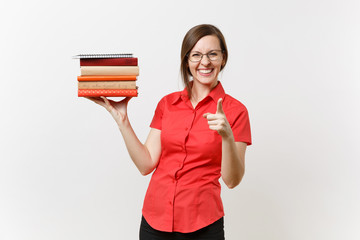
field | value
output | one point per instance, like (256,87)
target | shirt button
(186,129)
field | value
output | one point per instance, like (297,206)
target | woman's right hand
(117,109)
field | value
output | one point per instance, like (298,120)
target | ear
(188,70)
(222,64)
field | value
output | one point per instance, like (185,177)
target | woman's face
(206,71)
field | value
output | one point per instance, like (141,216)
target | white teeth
(205,71)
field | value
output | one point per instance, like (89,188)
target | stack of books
(108,75)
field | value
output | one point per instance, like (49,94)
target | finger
(214,122)
(108,105)
(105,100)
(206,114)
(216,116)
(96,100)
(93,98)
(211,116)
(219,106)
(127,99)
(214,127)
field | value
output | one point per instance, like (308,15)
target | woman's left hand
(219,122)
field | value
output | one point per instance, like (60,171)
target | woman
(197,136)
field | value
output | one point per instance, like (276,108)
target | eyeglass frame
(202,55)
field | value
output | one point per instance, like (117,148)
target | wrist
(123,123)
(228,137)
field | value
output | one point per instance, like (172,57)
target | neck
(200,91)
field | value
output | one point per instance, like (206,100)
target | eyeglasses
(213,55)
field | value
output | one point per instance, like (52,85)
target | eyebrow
(205,53)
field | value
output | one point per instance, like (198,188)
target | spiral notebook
(106,55)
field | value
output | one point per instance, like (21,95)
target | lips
(205,72)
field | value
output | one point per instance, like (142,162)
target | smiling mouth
(205,71)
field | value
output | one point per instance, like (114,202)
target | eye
(195,55)
(213,54)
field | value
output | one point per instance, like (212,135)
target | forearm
(145,156)
(233,161)
(138,152)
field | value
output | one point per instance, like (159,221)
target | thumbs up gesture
(218,121)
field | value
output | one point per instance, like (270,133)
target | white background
(64,169)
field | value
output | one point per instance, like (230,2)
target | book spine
(107,85)
(108,62)
(106,78)
(107,92)
(110,70)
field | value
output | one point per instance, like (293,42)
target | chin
(206,81)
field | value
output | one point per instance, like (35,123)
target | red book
(107,92)
(108,61)
(106,78)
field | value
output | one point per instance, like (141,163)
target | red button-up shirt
(184,190)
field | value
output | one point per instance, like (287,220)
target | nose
(205,60)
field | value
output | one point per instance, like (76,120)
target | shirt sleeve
(241,126)
(157,119)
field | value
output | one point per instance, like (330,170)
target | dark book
(108,61)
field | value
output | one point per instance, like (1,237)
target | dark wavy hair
(189,41)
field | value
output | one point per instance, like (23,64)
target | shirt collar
(216,93)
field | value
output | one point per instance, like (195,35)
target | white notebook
(106,55)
